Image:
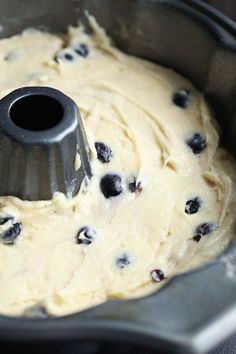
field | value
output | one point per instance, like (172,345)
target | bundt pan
(194,311)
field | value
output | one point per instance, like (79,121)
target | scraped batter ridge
(162,197)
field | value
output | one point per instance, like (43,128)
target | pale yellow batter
(127,104)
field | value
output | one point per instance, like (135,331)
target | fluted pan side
(41,136)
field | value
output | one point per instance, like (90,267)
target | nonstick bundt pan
(194,311)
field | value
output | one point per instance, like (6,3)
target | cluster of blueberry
(192,206)
(111,186)
(197,143)
(71,54)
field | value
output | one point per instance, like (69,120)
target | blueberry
(82,50)
(157,275)
(204,229)
(11,56)
(86,235)
(104,152)
(181,98)
(197,238)
(197,143)
(123,261)
(5,219)
(135,187)
(66,56)
(111,185)
(36,311)
(192,206)
(9,236)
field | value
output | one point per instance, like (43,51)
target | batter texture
(162,197)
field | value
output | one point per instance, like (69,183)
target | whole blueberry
(123,261)
(104,152)
(192,206)
(111,185)
(197,143)
(82,50)
(9,236)
(181,98)
(157,275)
(86,235)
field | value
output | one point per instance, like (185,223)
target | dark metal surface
(196,311)
(228,7)
(40,134)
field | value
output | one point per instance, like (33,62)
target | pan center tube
(41,133)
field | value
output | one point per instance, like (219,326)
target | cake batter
(162,197)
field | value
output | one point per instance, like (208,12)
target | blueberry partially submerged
(123,261)
(204,229)
(197,237)
(111,185)
(157,275)
(5,219)
(192,206)
(86,235)
(197,143)
(104,152)
(8,237)
(181,98)
(66,55)
(36,311)
(11,56)
(135,187)
(82,50)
